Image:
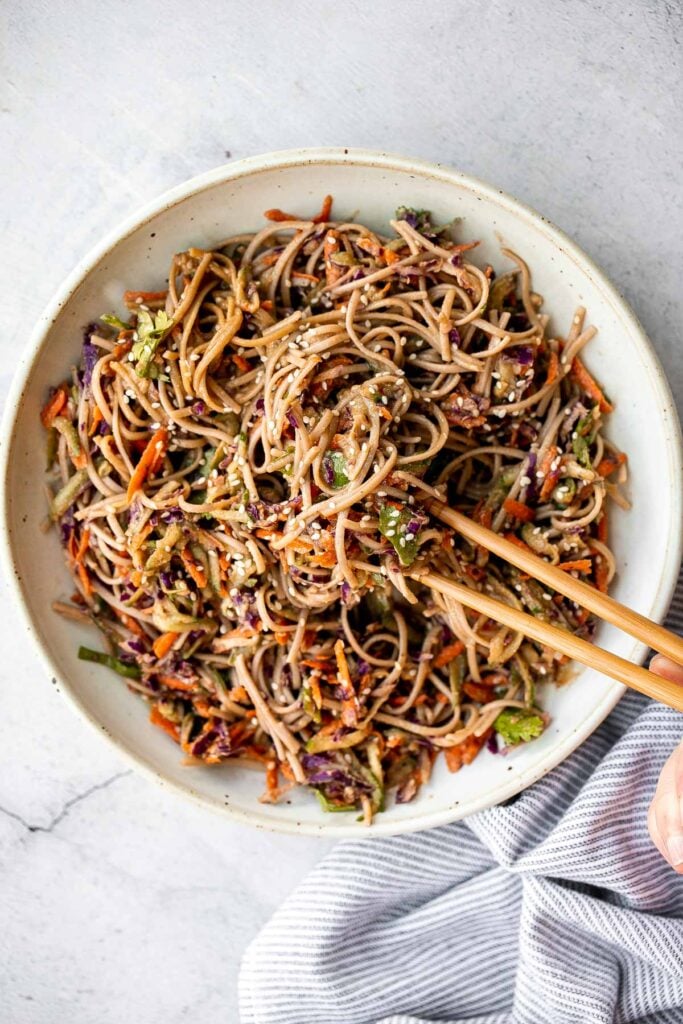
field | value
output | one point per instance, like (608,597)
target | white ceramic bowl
(647,540)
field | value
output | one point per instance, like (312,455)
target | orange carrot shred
(241,363)
(608,465)
(553,368)
(132,297)
(156,718)
(448,654)
(602,528)
(196,571)
(325,211)
(279,215)
(97,417)
(163,644)
(173,683)
(579,565)
(54,406)
(519,510)
(150,460)
(589,385)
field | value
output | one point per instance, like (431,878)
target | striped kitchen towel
(553,908)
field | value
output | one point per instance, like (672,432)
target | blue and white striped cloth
(552,909)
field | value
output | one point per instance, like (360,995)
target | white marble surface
(117,900)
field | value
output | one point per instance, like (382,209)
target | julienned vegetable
(123,668)
(401,528)
(241,470)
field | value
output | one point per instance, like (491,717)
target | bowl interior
(369,188)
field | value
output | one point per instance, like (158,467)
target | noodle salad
(241,469)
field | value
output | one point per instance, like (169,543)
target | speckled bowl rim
(337,157)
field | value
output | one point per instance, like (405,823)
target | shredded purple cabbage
(90,357)
(327,470)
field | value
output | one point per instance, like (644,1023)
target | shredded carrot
(350,705)
(519,510)
(163,644)
(483,515)
(150,460)
(84,578)
(80,461)
(477,691)
(281,637)
(600,573)
(272,779)
(326,561)
(331,246)
(551,476)
(305,277)
(238,693)
(611,462)
(156,718)
(54,406)
(265,533)
(325,211)
(279,215)
(121,349)
(578,565)
(78,554)
(132,297)
(97,418)
(602,528)
(241,363)
(390,256)
(517,541)
(195,570)
(448,654)
(369,245)
(173,683)
(299,544)
(130,623)
(267,304)
(465,752)
(316,694)
(553,368)
(135,577)
(321,664)
(589,385)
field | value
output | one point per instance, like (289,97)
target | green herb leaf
(150,332)
(114,321)
(518,725)
(393,524)
(335,469)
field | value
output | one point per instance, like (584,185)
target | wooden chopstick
(605,607)
(660,689)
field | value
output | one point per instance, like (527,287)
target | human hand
(665,817)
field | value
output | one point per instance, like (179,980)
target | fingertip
(666,668)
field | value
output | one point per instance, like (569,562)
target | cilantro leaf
(114,321)
(335,469)
(518,725)
(149,333)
